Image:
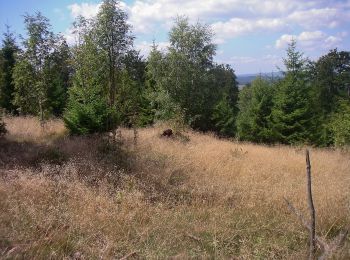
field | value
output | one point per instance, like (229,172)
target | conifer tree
(225,95)
(255,104)
(101,74)
(87,108)
(8,59)
(291,113)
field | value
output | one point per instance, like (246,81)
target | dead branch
(193,237)
(128,255)
(322,244)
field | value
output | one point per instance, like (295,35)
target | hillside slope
(182,197)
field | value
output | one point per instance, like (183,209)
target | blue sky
(251,35)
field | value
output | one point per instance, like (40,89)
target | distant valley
(244,79)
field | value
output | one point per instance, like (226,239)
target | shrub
(340,124)
(3,130)
(49,155)
(88,112)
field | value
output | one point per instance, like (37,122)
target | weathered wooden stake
(328,248)
(311,209)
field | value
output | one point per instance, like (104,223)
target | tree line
(101,82)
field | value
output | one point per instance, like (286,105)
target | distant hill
(245,79)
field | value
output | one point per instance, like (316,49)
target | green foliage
(291,114)
(331,79)
(103,92)
(113,38)
(255,105)
(7,62)
(224,118)
(41,76)
(330,82)
(162,105)
(101,82)
(25,95)
(132,101)
(87,111)
(59,75)
(185,83)
(3,130)
(189,58)
(340,124)
(224,95)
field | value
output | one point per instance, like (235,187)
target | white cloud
(69,36)
(230,18)
(86,10)
(310,40)
(316,18)
(237,26)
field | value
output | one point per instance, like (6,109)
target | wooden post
(327,248)
(311,209)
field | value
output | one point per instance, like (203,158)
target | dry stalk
(129,255)
(327,248)
(193,237)
(311,208)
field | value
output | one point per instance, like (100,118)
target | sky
(251,35)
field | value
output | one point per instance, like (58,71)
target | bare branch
(321,242)
(128,255)
(193,237)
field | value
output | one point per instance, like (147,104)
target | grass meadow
(190,196)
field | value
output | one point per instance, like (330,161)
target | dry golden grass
(202,198)
(29,129)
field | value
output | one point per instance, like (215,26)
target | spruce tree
(101,74)
(225,96)
(8,59)
(291,113)
(254,118)
(87,108)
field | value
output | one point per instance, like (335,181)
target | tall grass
(200,197)
(29,129)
